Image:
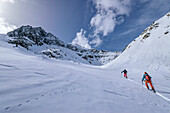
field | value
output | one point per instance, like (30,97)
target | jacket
(144,77)
(124,71)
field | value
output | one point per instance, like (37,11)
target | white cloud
(11,1)
(103,23)
(81,40)
(14,1)
(97,41)
(5,26)
(109,14)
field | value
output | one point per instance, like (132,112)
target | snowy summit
(41,42)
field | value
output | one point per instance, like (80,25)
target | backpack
(124,71)
(148,78)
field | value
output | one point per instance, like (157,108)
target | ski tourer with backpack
(147,80)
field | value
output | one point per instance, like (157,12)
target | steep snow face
(41,42)
(150,50)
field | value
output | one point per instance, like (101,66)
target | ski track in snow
(43,95)
(159,94)
(115,93)
(7,67)
(79,86)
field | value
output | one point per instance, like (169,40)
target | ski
(152,90)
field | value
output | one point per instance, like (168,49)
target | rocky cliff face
(37,40)
(29,36)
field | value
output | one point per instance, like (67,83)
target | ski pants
(125,75)
(146,83)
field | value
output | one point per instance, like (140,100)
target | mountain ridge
(39,41)
(151,49)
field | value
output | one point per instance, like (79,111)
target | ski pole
(142,83)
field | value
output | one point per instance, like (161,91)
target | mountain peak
(39,41)
(26,30)
(34,36)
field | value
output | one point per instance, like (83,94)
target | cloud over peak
(5,26)
(81,40)
(109,13)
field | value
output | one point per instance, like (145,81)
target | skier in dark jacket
(125,73)
(147,80)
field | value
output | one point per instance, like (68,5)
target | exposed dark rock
(146,35)
(28,37)
(166,32)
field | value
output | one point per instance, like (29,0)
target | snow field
(32,83)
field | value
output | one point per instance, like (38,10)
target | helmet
(145,72)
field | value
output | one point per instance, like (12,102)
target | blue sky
(100,24)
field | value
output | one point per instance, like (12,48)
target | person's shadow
(165,92)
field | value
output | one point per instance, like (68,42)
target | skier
(147,79)
(125,73)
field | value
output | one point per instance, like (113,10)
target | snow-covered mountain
(41,42)
(151,50)
(32,83)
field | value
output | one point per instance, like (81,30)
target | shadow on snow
(165,92)
(115,93)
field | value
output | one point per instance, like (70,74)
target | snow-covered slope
(151,49)
(32,83)
(41,42)
(150,52)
